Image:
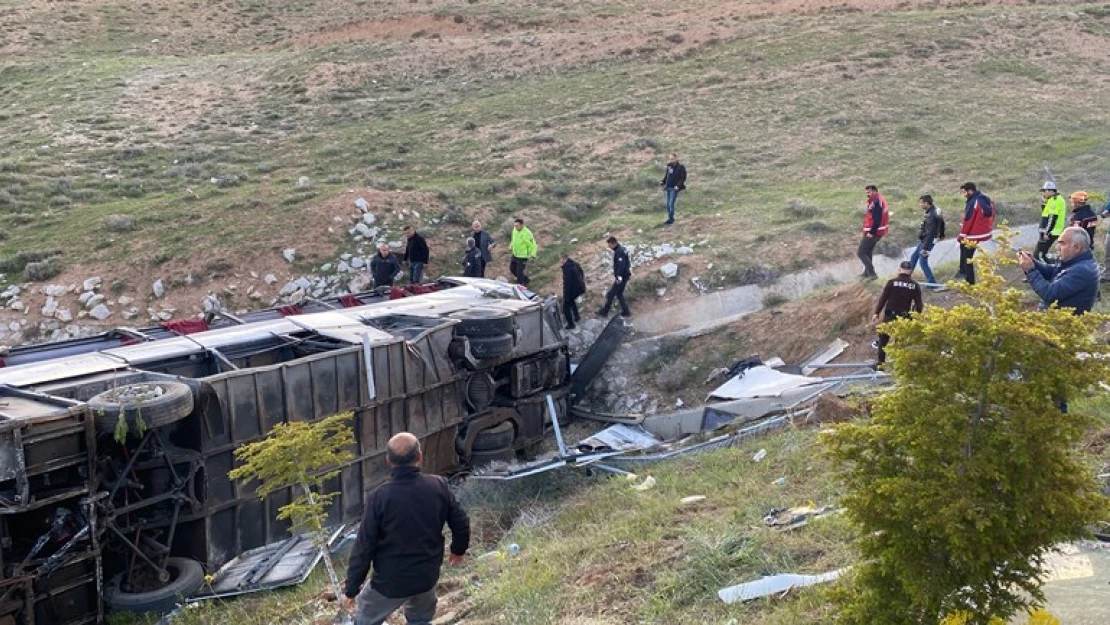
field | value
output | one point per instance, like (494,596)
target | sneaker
(668,222)
(571,326)
(626,313)
(602,313)
(874,345)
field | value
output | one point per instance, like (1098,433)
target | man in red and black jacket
(976,228)
(876,221)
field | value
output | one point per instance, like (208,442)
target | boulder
(669,270)
(91,284)
(289,254)
(100,312)
(158,288)
(50,307)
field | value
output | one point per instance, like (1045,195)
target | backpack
(940,226)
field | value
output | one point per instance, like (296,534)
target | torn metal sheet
(774,585)
(761,381)
(285,563)
(834,349)
(621,438)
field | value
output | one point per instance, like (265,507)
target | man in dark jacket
(901,296)
(674,180)
(1073,282)
(384,267)
(484,242)
(401,534)
(1082,215)
(926,238)
(574,285)
(622,271)
(416,255)
(474,263)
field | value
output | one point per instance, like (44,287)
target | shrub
(119,223)
(40,271)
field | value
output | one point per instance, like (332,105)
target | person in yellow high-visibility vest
(1054,218)
(522,246)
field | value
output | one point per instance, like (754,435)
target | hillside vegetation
(231,130)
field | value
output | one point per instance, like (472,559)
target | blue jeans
(915,257)
(672,197)
(416,273)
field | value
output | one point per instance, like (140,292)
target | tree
(968,472)
(303,456)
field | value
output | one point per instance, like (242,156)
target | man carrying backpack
(932,228)
(1054,218)
(978,223)
(876,221)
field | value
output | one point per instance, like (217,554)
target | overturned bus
(115,449)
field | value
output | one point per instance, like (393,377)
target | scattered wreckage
(115,448)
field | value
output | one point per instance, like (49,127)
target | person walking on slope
(927,237)
(484,242)
(674,180)
(1071,283)
(384,267)
(977,225)
(522,246)
(416,255)
(876,221)
(1106,254)
(1082,215)
(622,271)
(574,286)
(401,535)
(474,263)
(1054,218)
(901,295)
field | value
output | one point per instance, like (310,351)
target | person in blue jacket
(1071,283)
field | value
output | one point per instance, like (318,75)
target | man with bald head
(384,266)
(402,536)
(1071,283)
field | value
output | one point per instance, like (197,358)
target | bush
(19,261)
(773,300)
(119,223)
(40,271)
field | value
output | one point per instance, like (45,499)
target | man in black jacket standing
(574,286)
(384,266)
(674,180)
(484,242)
(474,262)
(401,534)
(622,271)
(416,255)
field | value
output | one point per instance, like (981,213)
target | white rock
(125,300)
(14,326)
(669,270)
(665,249)
(94,301)
(678,403)
(325,267)
(358,263)
(130,313)
(345,256)
(211,303)
(303,181)
(343,267)
(362,204)
(63,315)
(16,305)
(85,297)
(101,312)
(53,290)
(91,284)
(10,292)
(289,254)
(254,274)
(269,278)
(164,315)
(158,288)
(369,218)
(684,250)
(50,307)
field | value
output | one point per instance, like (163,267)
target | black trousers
(1042,247)
(967,268)
(865,252)
(516,267)
(616,292)
(570,310)
(884,339)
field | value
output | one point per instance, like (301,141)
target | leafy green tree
(968,473)
(303,456)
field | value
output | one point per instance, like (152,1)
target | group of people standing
(1072,282)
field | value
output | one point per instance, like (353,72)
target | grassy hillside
(200,123)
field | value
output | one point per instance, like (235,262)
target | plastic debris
(648,483)
(759,455)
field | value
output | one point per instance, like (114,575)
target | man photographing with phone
(1071,283)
